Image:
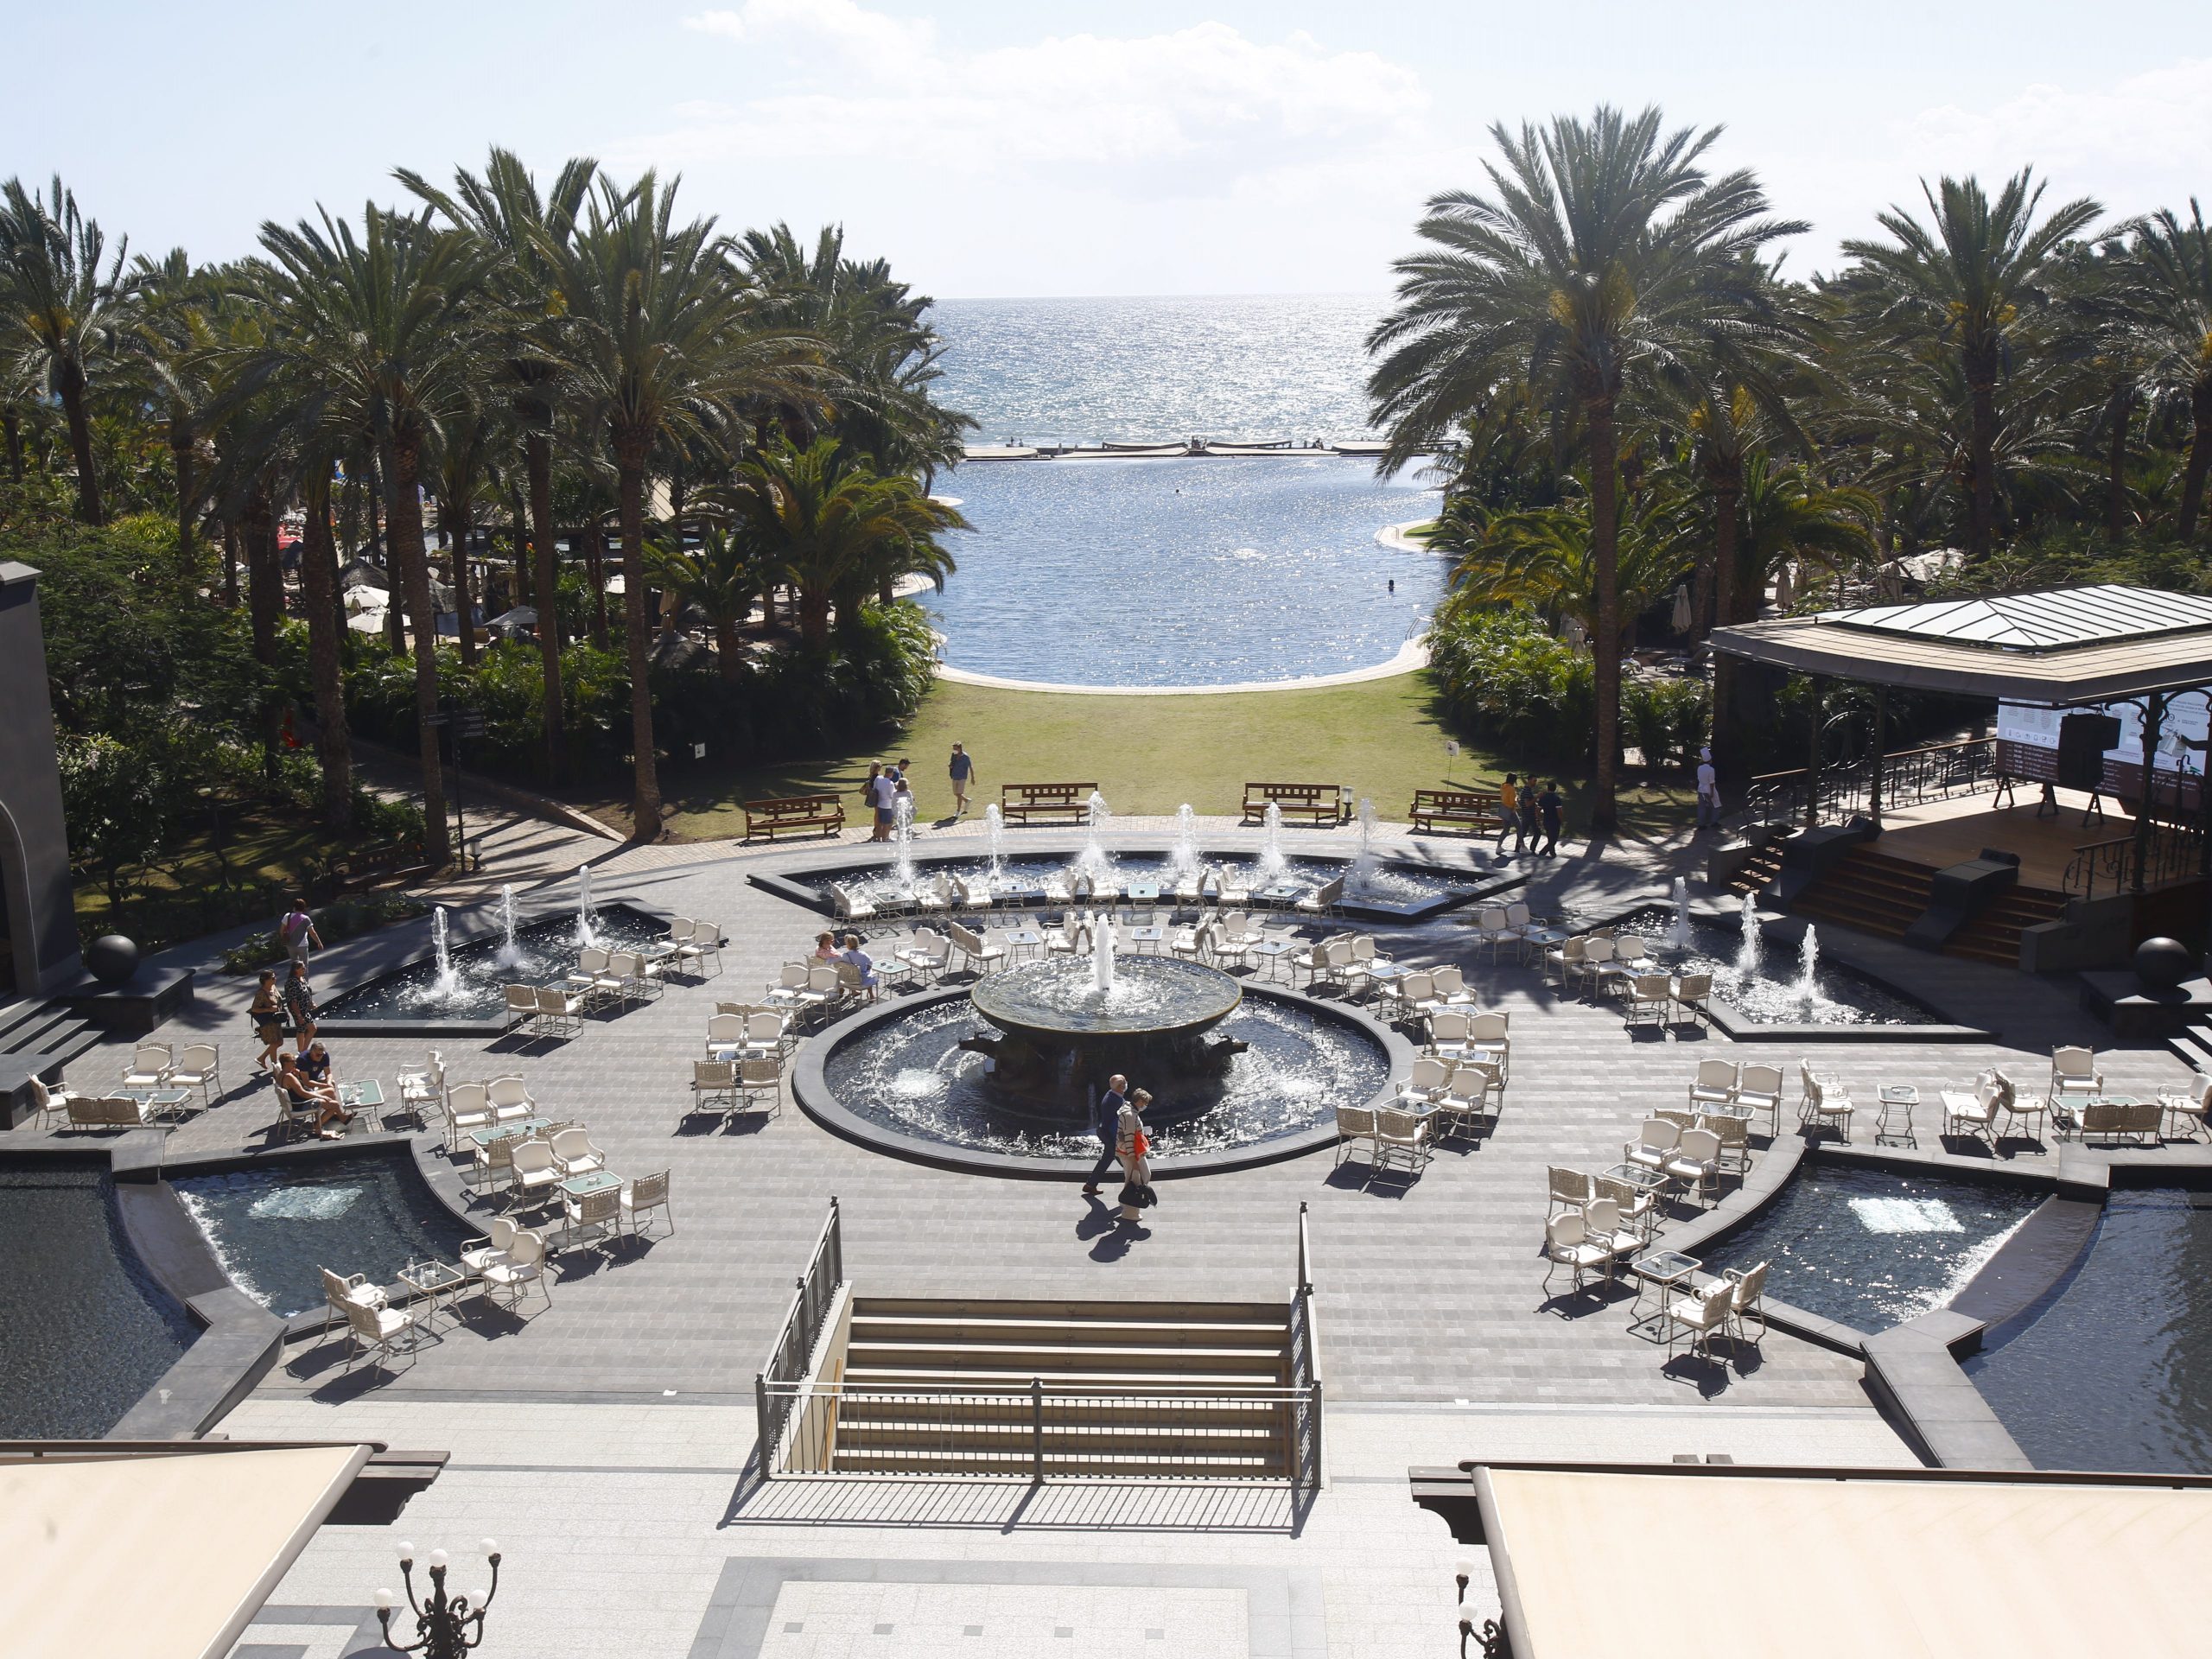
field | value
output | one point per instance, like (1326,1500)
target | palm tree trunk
(1604,524)
(72,388)
(11,426)
(814,617)
(1727,583)
(230,565)
(180,455)
(727,658)
(595,572)
(538,461)
(630,470)
(1981,463)
(319,586)
(2123,405)
(454,519)
(2200,453)
(264,574)
(403,519)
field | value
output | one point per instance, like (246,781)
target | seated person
(825,947)
(314,1066)
(862,962)
(300,1094)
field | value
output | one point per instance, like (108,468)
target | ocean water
(1209,571)
(1131,371)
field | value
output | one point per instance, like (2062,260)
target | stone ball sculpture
(2163,963)
(111,958)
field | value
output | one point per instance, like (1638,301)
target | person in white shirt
(1708,790)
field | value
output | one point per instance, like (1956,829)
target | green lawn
(1148,754)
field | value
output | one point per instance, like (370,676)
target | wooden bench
(823,812)
(1318,803)
(1020,803)
(366,864)
(1457,808)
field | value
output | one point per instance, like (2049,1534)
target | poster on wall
(2027,746)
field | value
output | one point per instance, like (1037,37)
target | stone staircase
(1876,894)
(1994,935)
(29,1028)
(1114,1376)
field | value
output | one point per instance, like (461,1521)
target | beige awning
(1675,1565)
(155,1554)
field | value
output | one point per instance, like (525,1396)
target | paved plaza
(605,1439)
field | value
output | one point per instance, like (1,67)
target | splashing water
(1754,944)
(902,864)
(1094,861)
(449,980)
(587,914)
(1271,862)
(1681,936)
(1809,963)
(510,952)
(1102,954)
(994,827)
(1184,859)
(1363,861)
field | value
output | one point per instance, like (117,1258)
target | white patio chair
(1400,1135)
(1703,1313)
(1605,1226)
(1414,994)
(761,1077)
(1490,1036)
(823,988)
(1448,985)
(50,1103)
(849,906)
(714,1086)
(467,1108)
(1570,1189)
(1598,964)
(1648,996)
(1746,1287)
(1523,922)
(559,1011)
(1823,1101)
(1069,938)
(492,1160)
(531,1172)
(725,1031)
(385,1330)
(1567,1244)
(591,978)
(1491,929)
(573,1154)
(1714,1085)
(788,989)
(641,980)
(1355,1126)
(767,1035)
(1696,1160)
(198,1065)
(1692,995)
(2191,1106)
(478,1254)
(342,1293)
(1639,1210)
(646,1193)
(1230,943)
(1230,890)
(2074,1071)
(1972,1112)
(421,1085)
(1447,1033)
(510,1099)
(976,952)
(1760,1086)
(1324,899)
(1565,960)
(524,1266)
(1431,1074)
(598,1211)
(927,955)
(932,895)
(1462,1100)
(1734,1135)
(705,944)
(1633,952)
(150,1065)
(1655,1142)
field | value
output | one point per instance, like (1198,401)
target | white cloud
(869,40)
(2164,115)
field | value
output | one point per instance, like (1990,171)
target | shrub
(1504,679)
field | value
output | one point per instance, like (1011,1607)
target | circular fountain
(1062,1027)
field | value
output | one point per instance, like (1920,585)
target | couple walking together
(1119,1121)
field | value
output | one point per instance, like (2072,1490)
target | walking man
(1527,836)
(1508,809)
(1708,790)
(963,768)
(1106,1123)
(1552,806)
(296,932)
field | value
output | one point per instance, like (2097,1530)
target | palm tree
(722,576)
(1545,559)
(1789,515)
(59,314)
(657,342)
(374,320)
(837,529)
(1973,290)
(2173,300)
(171,347)
(503,211)
(1606,256)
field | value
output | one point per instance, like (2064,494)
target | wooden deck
(1948,832)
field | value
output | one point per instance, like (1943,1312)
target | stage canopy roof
(1744,1565)
(2056,648)
(153,1553)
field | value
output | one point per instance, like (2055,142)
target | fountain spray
(1271,862)
(1102,954)
(448,981)
(1752,944)
(1184,859)
(510,952)
(1093,861)
(1681,936)
(586,917)
(1363,862)
(1809,963)
(903,863)
(995,826)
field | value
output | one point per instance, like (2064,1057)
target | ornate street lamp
(445,1626)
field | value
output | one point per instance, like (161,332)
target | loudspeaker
(2082,741)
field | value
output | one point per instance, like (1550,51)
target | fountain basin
(1150,995)
(894,1078)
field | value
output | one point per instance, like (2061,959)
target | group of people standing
(304,1077)
(1531,815)
(886,783)
(1118,1120)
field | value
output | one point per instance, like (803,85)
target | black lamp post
(445,1626)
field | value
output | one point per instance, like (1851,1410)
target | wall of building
(33,839)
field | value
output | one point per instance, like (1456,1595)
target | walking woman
(268,1016)
(1134,1147)
(300,1005)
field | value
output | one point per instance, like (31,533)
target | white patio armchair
(1324,899)
(523,1267)
(1638,1209)
(1714,1085)
(1823,1101)
(2191,1106)
(2074,1071)
(1692,997)
(761,1078)
(150,1065)
(928,955)
(1696,1161)
(1492,931)
(724,1030)
(1356,1127)
(1759,1086)
(1430,1077)
(478,1254)
(767,1035)
(1490,1036)
(704,945)
(1598,964)
(1606,1225)
(1569,1189)
(847,906)
(1448,985)
(640,1197)
(509,1098)
(1746,1286)
(559,1011)
(1648,997)
(384,1331)
(977,953)
(198,1065)
(597,1213)
(532,1174)
(1567,1244)
(574,1154)
(468,1106)
(1400,1136)
(1565,960)
(788,989)
(342,1293)
(1447,1033)
(1705,1314)
(714,1086)
(1656,1141)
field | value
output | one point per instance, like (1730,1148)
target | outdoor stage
(1941,833)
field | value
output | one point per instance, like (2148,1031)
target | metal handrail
(1303,1454)
(2172,851)
(788,1359)
(1935,771)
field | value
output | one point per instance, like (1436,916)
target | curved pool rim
(811,1088)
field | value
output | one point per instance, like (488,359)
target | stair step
(978,1377)
(932,1308)
(1048,1362)
(45,1030)
(947,1414)
(1134,1438)
(890,1463)
(1154,1333)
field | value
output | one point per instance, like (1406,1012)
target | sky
(992,148)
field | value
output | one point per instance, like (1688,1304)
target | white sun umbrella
(1682,618)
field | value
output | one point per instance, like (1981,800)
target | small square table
(1144,892)
(1152,937)
(1275,950)
(1659,1271)
(156,1100)
(1636,1175)
(1019,940)
(591,1181)
(429,1280)
(1544,936)
(498,1132)
(1279,893)
(1896,1100)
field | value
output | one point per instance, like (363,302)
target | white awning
(155,1554)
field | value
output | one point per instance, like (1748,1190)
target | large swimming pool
(1183,572)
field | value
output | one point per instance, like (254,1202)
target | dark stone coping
(1739,1029)
(480,925)
(2116,996)
(143,1001)
(812,1089)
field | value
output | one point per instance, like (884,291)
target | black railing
(1303,1456)
(2170,853)
(1910,778)
(775,1387)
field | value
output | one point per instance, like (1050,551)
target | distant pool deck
(1410,655)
